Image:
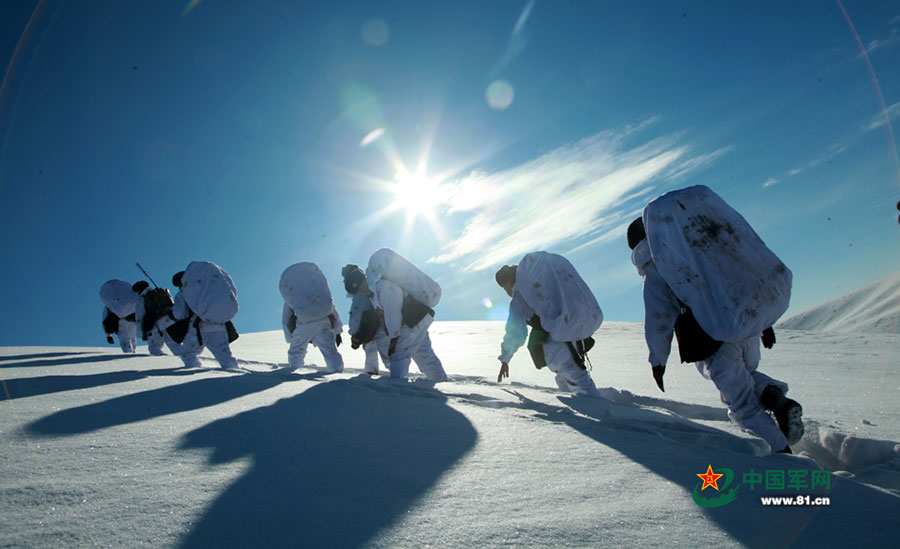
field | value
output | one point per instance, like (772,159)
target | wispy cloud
(832,152)
(873,123)
(569,193)
(892,37)
(880,119)
(517,41)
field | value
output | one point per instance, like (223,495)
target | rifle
(145,273)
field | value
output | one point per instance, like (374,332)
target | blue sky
(260,134)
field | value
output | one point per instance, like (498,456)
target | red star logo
(709,479)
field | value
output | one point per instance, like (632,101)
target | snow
(872,309)
(100,448)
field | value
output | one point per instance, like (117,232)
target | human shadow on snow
(23,387)
(144,405)
(65,361)
(330,467)
(677,450)
(29,356)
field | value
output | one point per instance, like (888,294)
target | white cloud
(772,181)
(831,153)
(883,42)
(882,118)
(568,193)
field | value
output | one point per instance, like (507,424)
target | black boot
(788,413)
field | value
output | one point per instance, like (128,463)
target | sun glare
(416,193)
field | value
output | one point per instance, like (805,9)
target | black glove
(355,342)
(768,338)
(658,373)
(110,339)
(338,340)
(143,336)
(392,346)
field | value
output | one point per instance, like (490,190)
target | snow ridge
(871,309)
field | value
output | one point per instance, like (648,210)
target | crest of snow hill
(871,309)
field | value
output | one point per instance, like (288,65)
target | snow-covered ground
(874,308)
(104,449)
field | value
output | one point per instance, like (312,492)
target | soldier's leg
(569,376)
(216,340)
(324,341)
(127,335)
(737,390)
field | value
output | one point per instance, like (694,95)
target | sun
(416,193)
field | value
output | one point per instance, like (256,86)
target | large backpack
(209,291)
(157,302)
(118,297)
(551,286)
(716,264)
(387,264)
(305,289)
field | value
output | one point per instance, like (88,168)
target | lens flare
(488,304)
(371,137)
(500,95)
(375,32)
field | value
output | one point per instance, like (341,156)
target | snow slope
(98,448)
(871,309)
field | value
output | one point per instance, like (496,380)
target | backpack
(716,264)
(413,311)
(551,286)
(387,264)
(209,291)
(118,297)
(157,302)
(305,289)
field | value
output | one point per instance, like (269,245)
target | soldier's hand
(392,346)
(338,340)
(504,371)
(109,339)
(658,373)
(355,342)
(768,338)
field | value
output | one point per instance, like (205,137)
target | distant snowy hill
(871,309)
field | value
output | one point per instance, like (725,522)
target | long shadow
(677,457)
(43,355)
(43,385)
(136,407)
(64,361)
(331,467)
(683,409)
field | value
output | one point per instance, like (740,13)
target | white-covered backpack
(387,264)
(118,297)
(305,289)
(716,264)
(559,296)
(209,291)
